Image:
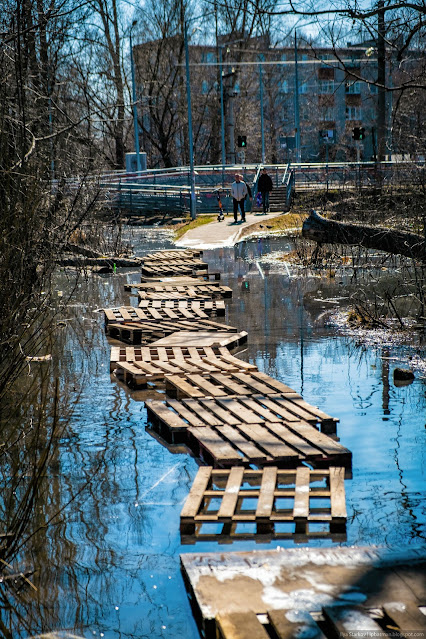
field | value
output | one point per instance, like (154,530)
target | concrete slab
(221,234)
(302,579)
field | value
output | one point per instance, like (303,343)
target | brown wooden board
(227,490)
(126,314)
(286,443)
(207,306)
(187,287)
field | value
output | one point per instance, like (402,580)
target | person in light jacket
(264,185)
(239,192)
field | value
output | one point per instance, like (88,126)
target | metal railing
(168,190)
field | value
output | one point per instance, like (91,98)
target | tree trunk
(324,231)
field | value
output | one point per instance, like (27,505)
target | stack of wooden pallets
(229,414)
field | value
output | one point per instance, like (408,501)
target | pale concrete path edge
(221,234)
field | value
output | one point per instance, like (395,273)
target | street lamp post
(296,102)
(135,110)
(261,113)
(192,203)
(222,115)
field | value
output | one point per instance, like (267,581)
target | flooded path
(110,566)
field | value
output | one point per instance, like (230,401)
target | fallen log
(319,229)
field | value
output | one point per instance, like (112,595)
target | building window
(353,113)
(373,89)
(205,87)
(305,57)
(237,87)
(326,86)
(210,57)
(283,57)
(327,113)
(303,88)
(353,88)
(284,86)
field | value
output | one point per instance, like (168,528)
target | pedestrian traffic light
(242,141)
(358,133)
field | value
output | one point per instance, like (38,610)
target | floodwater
(110,566)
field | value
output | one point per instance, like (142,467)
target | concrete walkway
(221,234)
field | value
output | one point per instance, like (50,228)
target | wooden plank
(301,445)
(301,625)
(277,409)
(276,448)
(222,414)
(235,407)
(165,415)
(207,387)
(301,496)
(266,496)
(230,497)
(405,615)
(202,412)
(244,365)
(240,625)
(345,621)
(253,384)
(327,445)
(281,388)
(196,494)
(246,446)
(337,495)
(228,383)
(221,451)
(178,387)
(258,409)
(184,413)
(293,408)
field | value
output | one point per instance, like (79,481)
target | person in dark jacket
(264,185)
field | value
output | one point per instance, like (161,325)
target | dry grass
(279,225)
(181,229)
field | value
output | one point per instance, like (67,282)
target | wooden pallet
(231,592)
(225,431)
(186,288)
(183,296)
(157,269)
(247,625)
(137,374)
(336,622)
(203,338)
(163,353)
(204,332)
(208,306)
(245,383)
(172,254)
(126,314)
(264,499)
(202,276)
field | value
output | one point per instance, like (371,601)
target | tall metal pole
(222,114)
(192,203)
(261,113)
(296,102)
(135,110)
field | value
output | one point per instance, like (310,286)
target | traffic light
(358,133)
(242,141)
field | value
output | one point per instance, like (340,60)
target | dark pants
(241,204)
(265,201)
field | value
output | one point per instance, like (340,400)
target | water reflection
(110,564)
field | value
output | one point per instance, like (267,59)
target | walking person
(264,185)
(239,192)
